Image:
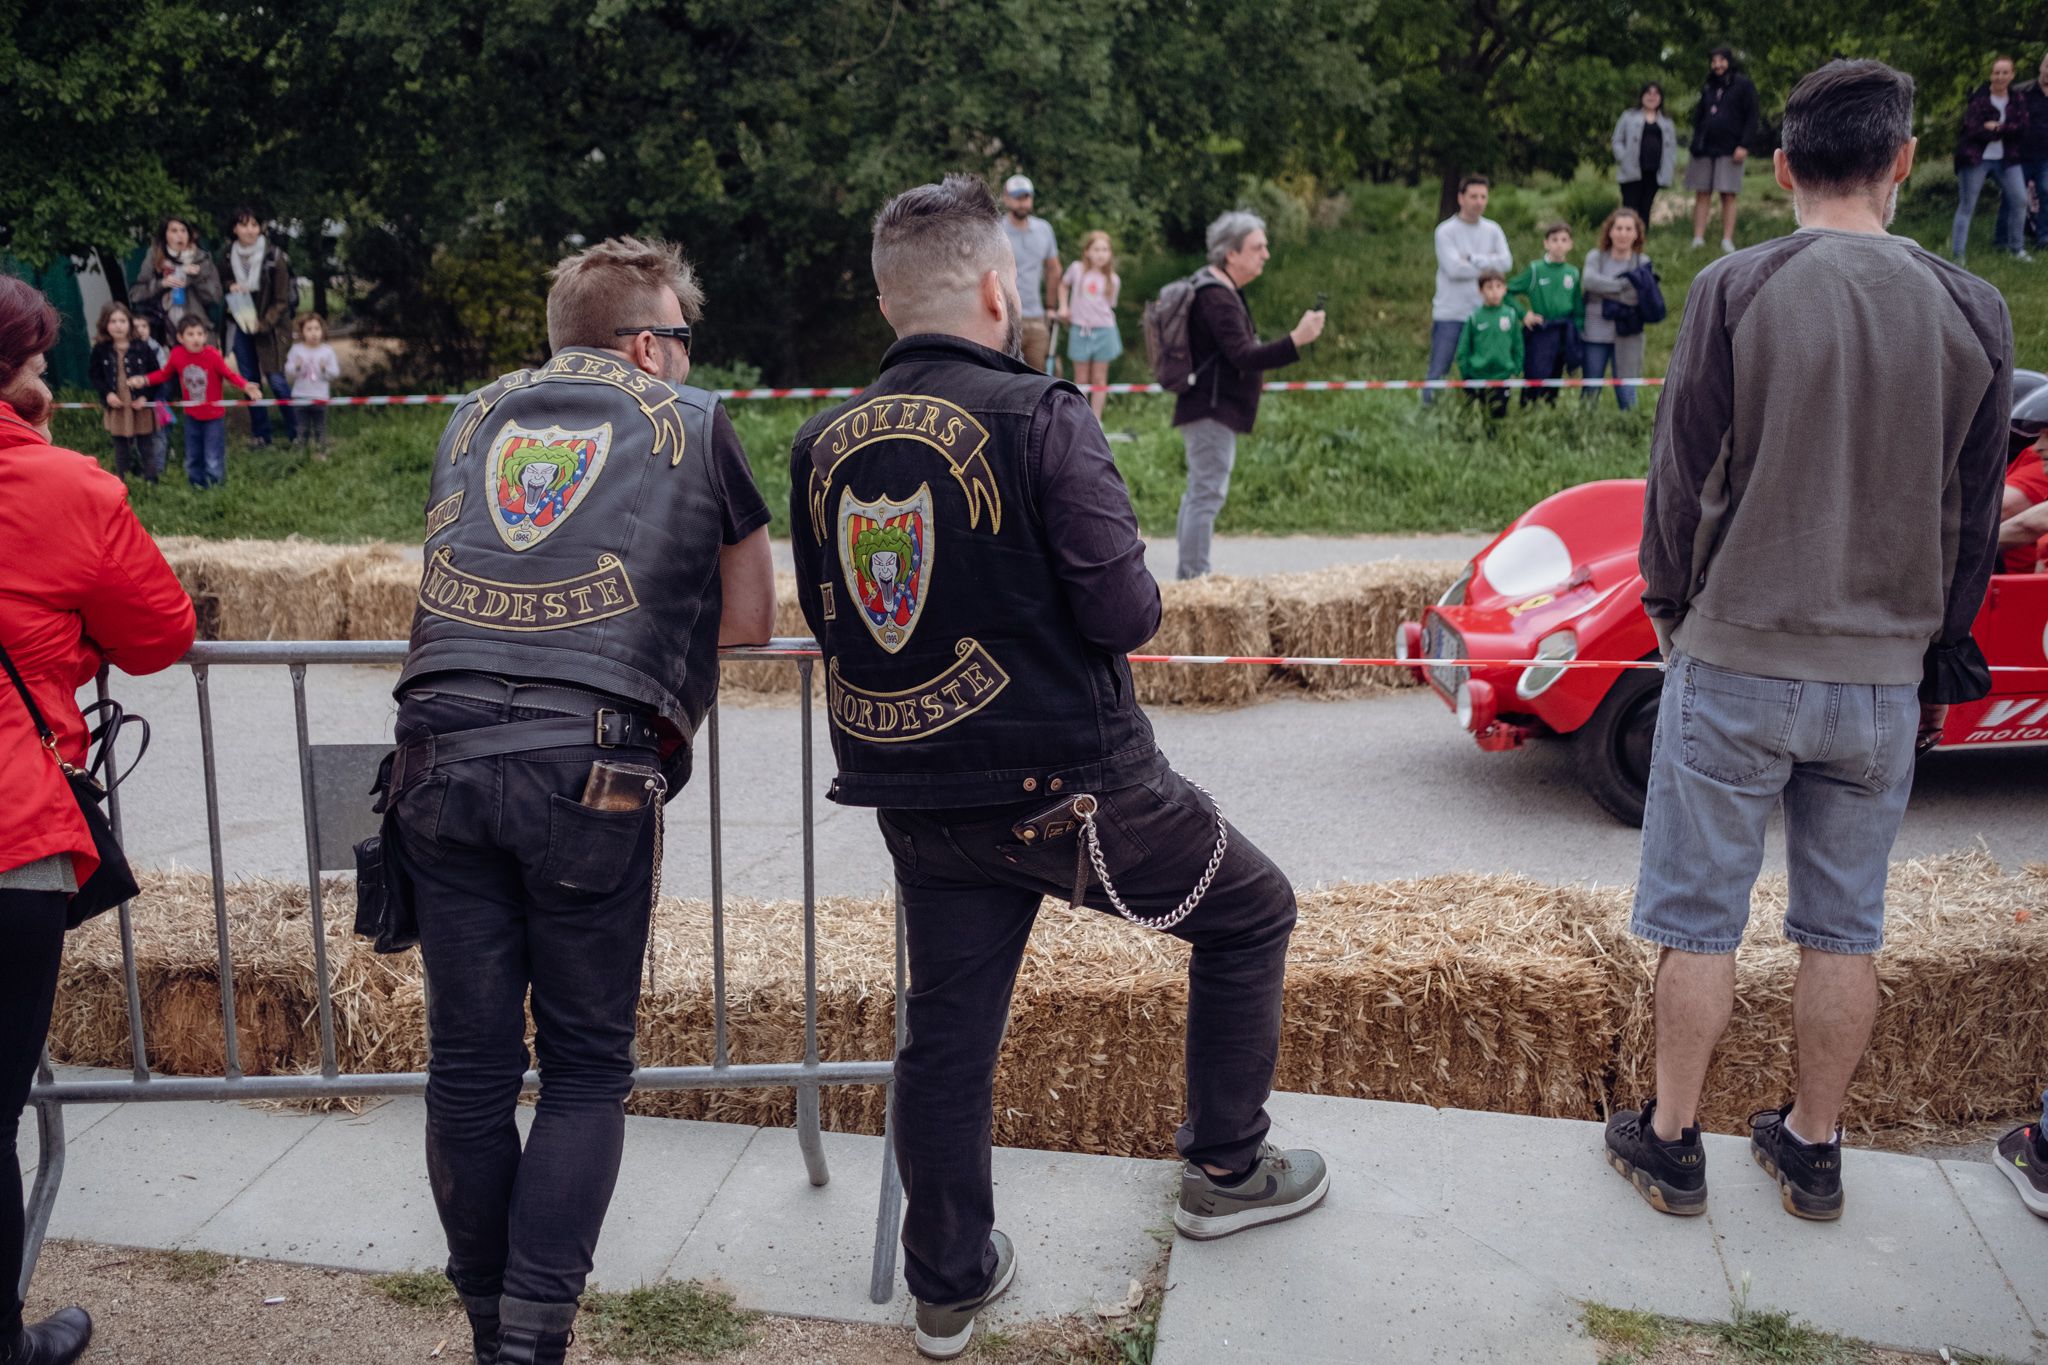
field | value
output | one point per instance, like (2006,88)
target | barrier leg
(42,1200)
(889,1210)
(808,1134)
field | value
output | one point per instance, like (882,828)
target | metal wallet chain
(657,787)
(1085,807)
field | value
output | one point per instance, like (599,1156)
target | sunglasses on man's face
(680,332)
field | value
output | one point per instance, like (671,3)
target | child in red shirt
(200,370)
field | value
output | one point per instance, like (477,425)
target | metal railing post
(808,1134)
(889,1210)
(719,1055)
(42,1200)
(231,1043)
(325,987)
(130,983)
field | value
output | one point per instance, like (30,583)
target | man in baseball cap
(1038,266)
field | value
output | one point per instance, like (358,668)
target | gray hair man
(1222,399)
(967,555)
(1814,593)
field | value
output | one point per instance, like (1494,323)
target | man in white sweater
(1467,243)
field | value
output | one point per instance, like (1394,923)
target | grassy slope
(1326,463)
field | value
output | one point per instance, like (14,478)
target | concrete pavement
(1361,789)
(1448,1235)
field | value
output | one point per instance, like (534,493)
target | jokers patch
(538,476)
(885,549)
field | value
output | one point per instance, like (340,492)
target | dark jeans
(1443,350)
(521,887)
(1543,357)
(1639,194)
(31,946)
(139,455)
(206,451)
(970,891)
(259,418)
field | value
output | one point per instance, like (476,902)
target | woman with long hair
(1645,151)
(177,277)
(1606,277)
(1088,294)
(86,586)
(128,416)
(1994,121)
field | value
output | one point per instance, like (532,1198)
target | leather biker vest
(573,535)
(954,672)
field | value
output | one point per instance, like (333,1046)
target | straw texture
(1352,611)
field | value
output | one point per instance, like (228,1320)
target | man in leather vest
(593,535)
(967,556)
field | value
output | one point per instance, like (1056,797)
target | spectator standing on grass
(127,414)
(967,556)
(1645,150)
(2033,151)
(86,586)
(1490,347)
(1088,295)
(1606,279)
(1467,243)
(1230,362)
(177,280)
(157,395)
(201,372)
(1724,123)
(1803,648)
(1551,297)
(310,368)
(1038,267)
(262,296)
(1989,148)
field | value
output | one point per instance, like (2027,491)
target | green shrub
(1587,203)
(1285,214)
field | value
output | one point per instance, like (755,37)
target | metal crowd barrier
(334,780)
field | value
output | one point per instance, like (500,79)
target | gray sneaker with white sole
(945,1329)
(1282,1185)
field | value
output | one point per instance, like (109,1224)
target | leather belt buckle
(604,713)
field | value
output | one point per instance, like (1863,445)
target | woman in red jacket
(85,585)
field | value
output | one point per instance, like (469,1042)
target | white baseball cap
(1017,186)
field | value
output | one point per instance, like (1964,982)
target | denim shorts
(1093,343)
(1729,747)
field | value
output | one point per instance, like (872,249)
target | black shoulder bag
(113,881)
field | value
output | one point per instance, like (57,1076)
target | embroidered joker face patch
(538,476)
(886,549)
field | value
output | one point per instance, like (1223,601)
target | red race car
(1561,584)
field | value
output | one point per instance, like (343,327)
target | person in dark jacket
(86,586)
(129,416)
(1229,364)
(262,293)
(1724,123)
(967,556)
(1990,148)
(2034,151)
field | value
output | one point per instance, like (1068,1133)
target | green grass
(427,1290)
(664,1322)
(195,1267)
(1318,463)
(1628,1332)
(1778,1338)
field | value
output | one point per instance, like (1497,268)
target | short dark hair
(193,321)
(244,214)
(1469,181)
(1491,276)
(932,241)
(1556,226)
(1844,124)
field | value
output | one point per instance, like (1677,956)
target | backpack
(1167,350)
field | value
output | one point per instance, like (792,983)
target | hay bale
(1964,982)
(1352,611)
(775,679)
(1212,615)
(379,590)
(263,589)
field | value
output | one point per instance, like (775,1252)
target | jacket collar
(15,430)
(942,346)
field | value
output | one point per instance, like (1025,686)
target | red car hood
(1583,537)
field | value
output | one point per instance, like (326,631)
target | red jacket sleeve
(136,612)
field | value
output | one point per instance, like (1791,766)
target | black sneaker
(1672,1176)
(2019,1156)
(1809,1176)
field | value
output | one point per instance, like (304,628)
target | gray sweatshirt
(1827,465)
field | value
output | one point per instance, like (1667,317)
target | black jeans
(520,886)
(31,947)
(1640,194)
(970,891)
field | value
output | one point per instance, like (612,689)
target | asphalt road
(1363,789)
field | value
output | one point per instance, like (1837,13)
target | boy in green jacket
(1490,347)
(1550,293)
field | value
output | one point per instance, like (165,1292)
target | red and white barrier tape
(752,395)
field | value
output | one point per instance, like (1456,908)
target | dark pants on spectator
(139,455)
(521,887)
(31,946)
(1639,194)
(1443,349)
(1543,357)
(206,451)
(259,418)
(970,891)
(1493,402)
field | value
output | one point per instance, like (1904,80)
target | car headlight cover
(1454,596)
(1561,645)
(1528,560)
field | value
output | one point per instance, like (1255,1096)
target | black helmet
(2029,414)
(2025,382)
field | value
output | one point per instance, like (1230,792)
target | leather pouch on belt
(385,909)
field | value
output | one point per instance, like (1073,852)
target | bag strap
(43,731)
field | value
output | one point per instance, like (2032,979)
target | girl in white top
(308,368)
(1088,294)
